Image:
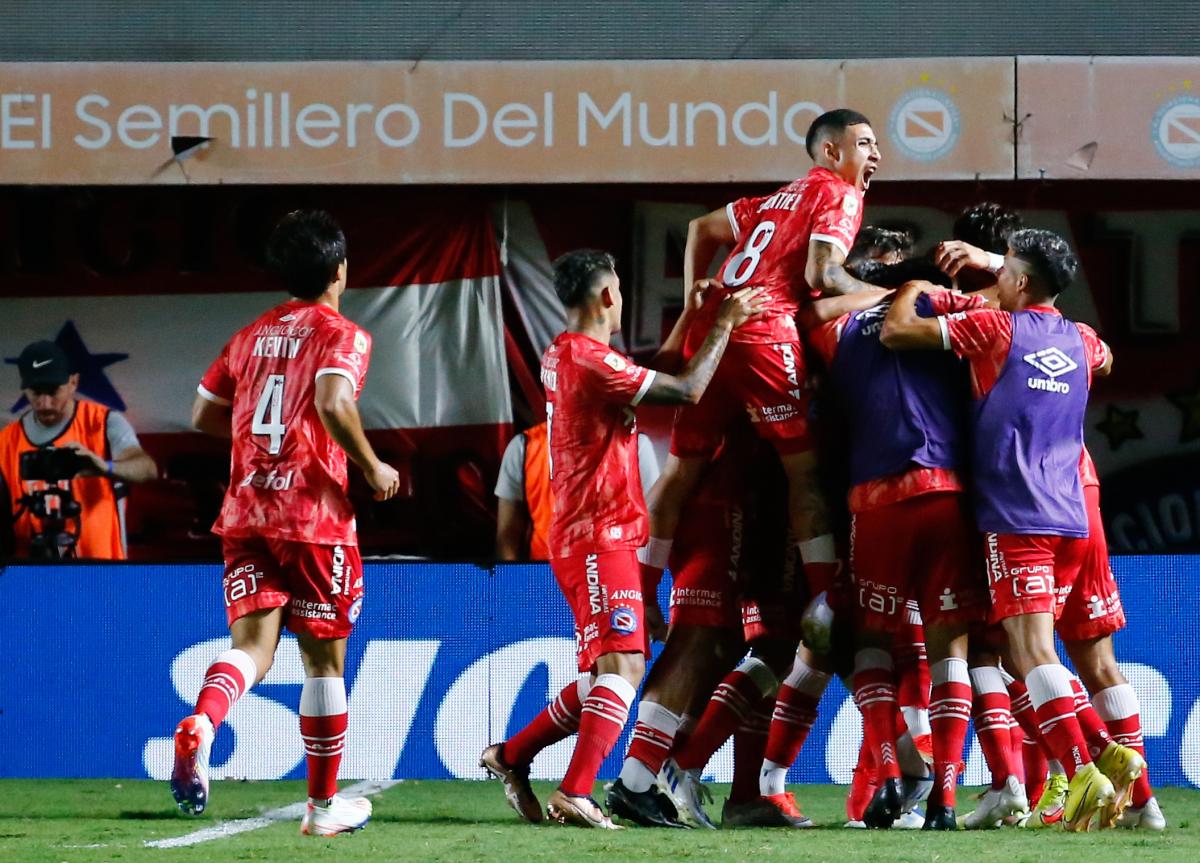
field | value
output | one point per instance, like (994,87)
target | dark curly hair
(875,242)
(575,274)
(895,275)
(1050,259)
(987,225)
(305,250)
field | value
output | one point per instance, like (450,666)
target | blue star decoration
(1119,426)
(93,382)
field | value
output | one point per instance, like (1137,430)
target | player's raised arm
(690,384)
(904,329)
(338,412)
(212,418)
(825,270)
(831,308)
(706,235)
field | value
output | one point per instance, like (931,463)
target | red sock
(323,728)
(1118,707)
(864,783)
(875,694)
(653,734)
(226,680)
(912,666)
(749,746)
(949,713)
(1053,700)
(1016,738)
(792,718)
(557,721)
(1090,723)
(1023,712)
(1034,759)
(992,712)
(734,699)
(604,713)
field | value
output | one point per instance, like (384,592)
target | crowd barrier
(103,660)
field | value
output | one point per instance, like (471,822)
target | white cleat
(189,778)
(1148,817)
(342,815)
(855,825)
(910,820)
(998,805)
(816,625)
(688,794)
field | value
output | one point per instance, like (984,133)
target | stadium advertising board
(546,122)
(1109,117)
(444,660)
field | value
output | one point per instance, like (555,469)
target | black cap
(43,365)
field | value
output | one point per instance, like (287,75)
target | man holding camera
(59,462)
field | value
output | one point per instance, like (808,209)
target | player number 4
(268,414)
(742,265)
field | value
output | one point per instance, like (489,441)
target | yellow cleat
(1122,766)
(1049,809)
(1087,795)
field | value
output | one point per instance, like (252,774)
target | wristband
(995,262)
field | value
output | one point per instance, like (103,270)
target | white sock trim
(872,657)
(987,680)
(819,549)
(1117,702)
(656,552)
(804,678)
(583,686)
(916,719)
(323,696)
(760,675)
(619,686)
(772,778)
(949,670)
(1048,682)
(243,662)
(654,715)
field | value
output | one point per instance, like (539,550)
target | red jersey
(591,391)
(288,477)
(984,335)
(885,490)
(772,236)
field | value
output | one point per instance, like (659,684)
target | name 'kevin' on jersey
(288,476)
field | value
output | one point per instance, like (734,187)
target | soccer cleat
(649,808)
(688,794)
(1122,766)
(816,624)
(776,810)
(885,807)
(1049,809)
(581,811)
(939,817)
(1148,817)
(189,779)
(1088,793)
(517,789)
(998,805)
(910,820)
(342,815)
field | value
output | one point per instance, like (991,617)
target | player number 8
(742,265)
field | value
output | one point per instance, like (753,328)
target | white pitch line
(243,825)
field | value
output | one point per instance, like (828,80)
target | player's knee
(630,666)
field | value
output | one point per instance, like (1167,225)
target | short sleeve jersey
(772,237)
(983,336)
(591,391)
(288,476)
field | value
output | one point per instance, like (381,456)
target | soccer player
(284,389)
(1030,373)
(793,244)
(599,522)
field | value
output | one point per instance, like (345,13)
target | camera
(52,464)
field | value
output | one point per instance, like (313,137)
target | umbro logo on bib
(1053,363)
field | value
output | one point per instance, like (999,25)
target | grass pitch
(63,821)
